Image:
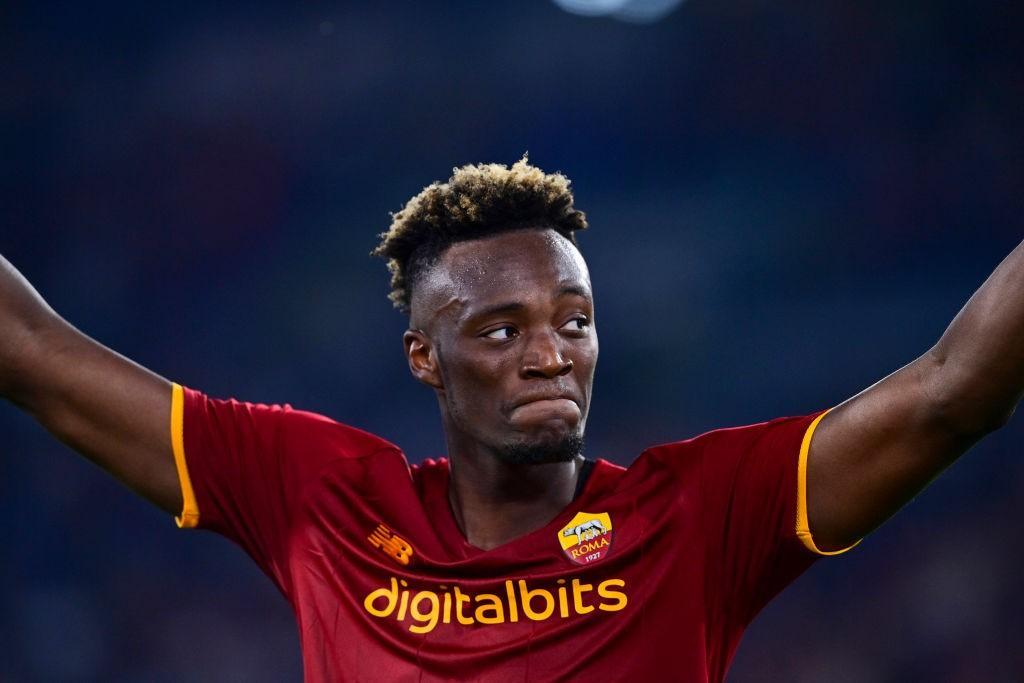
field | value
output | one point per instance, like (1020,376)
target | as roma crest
(587,538)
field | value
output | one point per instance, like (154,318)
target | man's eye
(579,324)
(506,332)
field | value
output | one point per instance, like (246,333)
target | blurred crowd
(788,201)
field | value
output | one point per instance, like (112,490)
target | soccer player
(516,558)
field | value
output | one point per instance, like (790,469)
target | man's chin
(542,451)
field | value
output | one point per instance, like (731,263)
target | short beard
(564,450)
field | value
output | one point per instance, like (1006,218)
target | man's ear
(422,357)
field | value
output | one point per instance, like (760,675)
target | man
(516,558)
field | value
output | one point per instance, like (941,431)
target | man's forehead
(508,266)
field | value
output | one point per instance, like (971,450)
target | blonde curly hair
(477,201)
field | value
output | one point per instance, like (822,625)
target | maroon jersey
(651,573)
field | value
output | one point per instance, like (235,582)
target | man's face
(503,329)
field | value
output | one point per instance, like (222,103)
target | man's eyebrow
(512,306)
(496,309)
(573,289)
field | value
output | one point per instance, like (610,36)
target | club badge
(587,538)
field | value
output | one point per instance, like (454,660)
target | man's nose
(543,357)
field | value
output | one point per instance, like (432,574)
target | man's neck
(495,502)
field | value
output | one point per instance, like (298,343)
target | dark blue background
(788,202)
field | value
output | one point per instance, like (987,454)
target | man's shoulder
(727,436)
(304,428)
(719,442)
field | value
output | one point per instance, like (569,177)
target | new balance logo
(395,547)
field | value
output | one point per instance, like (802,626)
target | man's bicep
(111,410)
(871,454)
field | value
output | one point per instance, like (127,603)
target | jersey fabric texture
(651,573)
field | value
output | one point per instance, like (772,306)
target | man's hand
(870,455)
(109,409)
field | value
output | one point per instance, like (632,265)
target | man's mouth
(543,409)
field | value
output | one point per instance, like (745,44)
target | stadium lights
(634,11)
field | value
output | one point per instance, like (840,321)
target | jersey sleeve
(244,467)
(754,511)
(749,485)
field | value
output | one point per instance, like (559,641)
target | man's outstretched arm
(874,452)
(109,409)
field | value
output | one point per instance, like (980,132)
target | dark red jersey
(651,573)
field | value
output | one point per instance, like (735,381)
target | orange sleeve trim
(189,517)
(803,529)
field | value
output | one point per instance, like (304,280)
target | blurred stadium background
(788,202)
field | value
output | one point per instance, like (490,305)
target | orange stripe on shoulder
(189,517)
(803,529)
